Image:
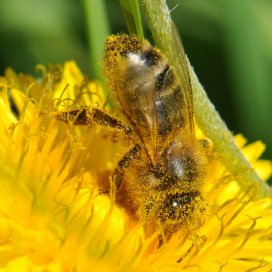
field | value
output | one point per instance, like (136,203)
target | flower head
(53,217)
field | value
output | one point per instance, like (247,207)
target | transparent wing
(182,67)
(156,102)
(152,100)
(135,91)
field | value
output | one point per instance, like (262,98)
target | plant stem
(161,25)
(97,31)
(133,16)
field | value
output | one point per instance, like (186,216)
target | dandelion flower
(53,218)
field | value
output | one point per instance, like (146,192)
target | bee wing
(152,98)
(155,101)
(182,69)
(135,91)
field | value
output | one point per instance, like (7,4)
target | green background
(229,43)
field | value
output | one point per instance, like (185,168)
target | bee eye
(177,206)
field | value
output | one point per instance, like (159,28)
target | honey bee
(159,180)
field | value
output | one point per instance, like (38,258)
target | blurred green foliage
(229,43)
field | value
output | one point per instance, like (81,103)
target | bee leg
(88,116)
(119,172)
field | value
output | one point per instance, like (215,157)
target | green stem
(133,16)
(161,25)
(97,31)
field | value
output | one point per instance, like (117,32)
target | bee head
(178,208)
